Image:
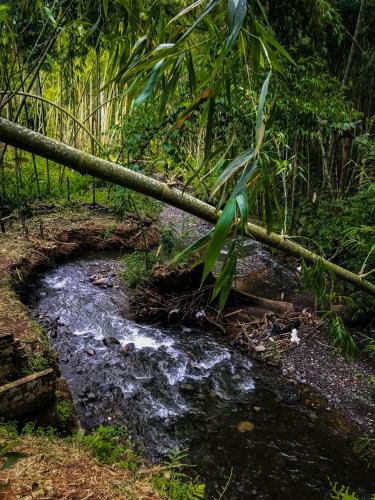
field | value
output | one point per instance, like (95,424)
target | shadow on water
(182,388)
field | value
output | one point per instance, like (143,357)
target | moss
(36,364)
(64,412)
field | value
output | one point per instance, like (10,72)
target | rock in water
(245,426)
(110,341)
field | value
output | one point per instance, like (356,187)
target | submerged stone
(245,426)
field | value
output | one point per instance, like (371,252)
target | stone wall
(7,363)
(27,394)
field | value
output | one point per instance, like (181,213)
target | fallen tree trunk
(86,164)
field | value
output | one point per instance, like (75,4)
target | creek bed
(185,389)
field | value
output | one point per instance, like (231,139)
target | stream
(182,388)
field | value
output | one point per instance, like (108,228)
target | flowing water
(182,388)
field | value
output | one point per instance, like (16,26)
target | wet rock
(111,341)
(290,396)
(187,387)
(245,426)
(259,348)
(102,282)
(128,348)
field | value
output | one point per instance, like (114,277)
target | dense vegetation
(263,107)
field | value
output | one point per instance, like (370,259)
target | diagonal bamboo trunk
(86,164)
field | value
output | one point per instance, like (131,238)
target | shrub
(136,267)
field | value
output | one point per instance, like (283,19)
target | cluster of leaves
(112,445)
(136,267)
(320,282)
(174,484)
(344,232)
(342,492)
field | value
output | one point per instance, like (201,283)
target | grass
(102,465)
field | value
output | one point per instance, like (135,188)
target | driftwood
(276,306)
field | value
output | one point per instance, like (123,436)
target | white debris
(200,314)
(294,337)
(299,269)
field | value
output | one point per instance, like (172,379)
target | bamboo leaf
(232,168)
(210,6)
(236,14)
(105,7)
(164,46)
(191,71)
(243,205)
(150,86)
(186,10)
(227,283)
(197,245)
(47,10)
(222,275)
(209,126)
(94,27)
(259,129)
(171,85)
(245,176)
(220,234)
(266,35)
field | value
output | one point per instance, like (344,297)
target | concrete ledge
(27,394)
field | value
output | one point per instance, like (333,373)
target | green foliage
(8,440)
(320,282)
(341,492)
(124,201)
(341,337)
(369,345)
(36,364)
(112,445)
(30,429)
(344,231)
(136,267)
(173,484)
(365,448)
(64,411)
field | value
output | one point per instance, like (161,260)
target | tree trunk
(353,47)
(87,164)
